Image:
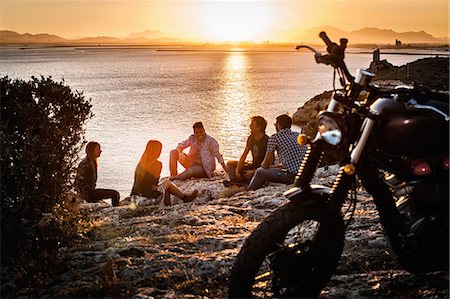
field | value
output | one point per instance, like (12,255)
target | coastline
(426,49)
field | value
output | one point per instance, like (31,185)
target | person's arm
(268,159)
(271,147)
(241,162)
(216,153)
(184,144)
(157,175)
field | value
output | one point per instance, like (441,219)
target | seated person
(147,173)
(200,161)
(242,171)
(87,177)
(290,154)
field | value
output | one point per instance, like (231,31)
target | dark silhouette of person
(86,179)
(147,173)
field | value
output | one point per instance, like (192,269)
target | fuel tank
(411,129)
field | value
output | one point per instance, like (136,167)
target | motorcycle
(392,141)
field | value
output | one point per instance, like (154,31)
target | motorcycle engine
(423,208)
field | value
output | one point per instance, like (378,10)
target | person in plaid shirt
(290,154)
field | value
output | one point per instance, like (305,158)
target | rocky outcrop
(306,116)
(430,72)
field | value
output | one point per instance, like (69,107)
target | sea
(143,92)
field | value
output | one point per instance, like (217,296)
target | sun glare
(235,20)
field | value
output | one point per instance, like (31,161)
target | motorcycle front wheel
(292,253)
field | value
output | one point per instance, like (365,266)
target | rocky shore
(187,250)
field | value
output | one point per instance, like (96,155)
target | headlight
(329,128)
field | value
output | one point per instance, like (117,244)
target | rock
(306,116)
(378,66)
(430,72)
(131,252)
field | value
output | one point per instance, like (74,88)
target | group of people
(200,162)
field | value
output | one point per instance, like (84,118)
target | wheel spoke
(297,240)
(280,258)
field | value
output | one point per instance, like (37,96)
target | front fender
(314,194)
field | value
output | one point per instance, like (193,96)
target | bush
(42,132)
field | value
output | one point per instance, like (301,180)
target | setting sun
(236,21)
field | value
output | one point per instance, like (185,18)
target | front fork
(346,177)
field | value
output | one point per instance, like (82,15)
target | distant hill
(11,37)
(291,35)
(376,36)
(148,34)
(95,40)
(360,36)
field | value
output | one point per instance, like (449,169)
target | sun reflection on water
(234,104)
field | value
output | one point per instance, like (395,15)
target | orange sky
(218,20)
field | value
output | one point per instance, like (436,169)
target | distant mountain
(159,37)
(311,35)
(361,36)
(95,40)
(148,34)
(11,37)
(291,35)
(376,36)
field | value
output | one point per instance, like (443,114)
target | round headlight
(329,129)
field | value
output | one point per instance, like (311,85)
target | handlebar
(335,56)
(330,45)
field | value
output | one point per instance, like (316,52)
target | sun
(235,20)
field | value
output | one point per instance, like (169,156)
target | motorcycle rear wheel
(279,259)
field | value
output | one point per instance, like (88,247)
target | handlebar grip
(325,38)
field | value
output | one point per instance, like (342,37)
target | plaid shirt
(289,151)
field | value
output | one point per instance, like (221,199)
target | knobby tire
(323,255)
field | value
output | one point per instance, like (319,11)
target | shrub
(42,132)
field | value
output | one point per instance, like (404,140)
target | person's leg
(99,194)
(171,188)
(270,174)
(231,169)
(195,171)
(173,162)
(175,157)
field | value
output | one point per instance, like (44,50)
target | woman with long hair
(147,173)
(87,177)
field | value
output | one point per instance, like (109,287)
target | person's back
(290,153)
(86,177)
(148,171)
(147,174)
(145,181)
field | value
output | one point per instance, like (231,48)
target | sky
(218,20)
